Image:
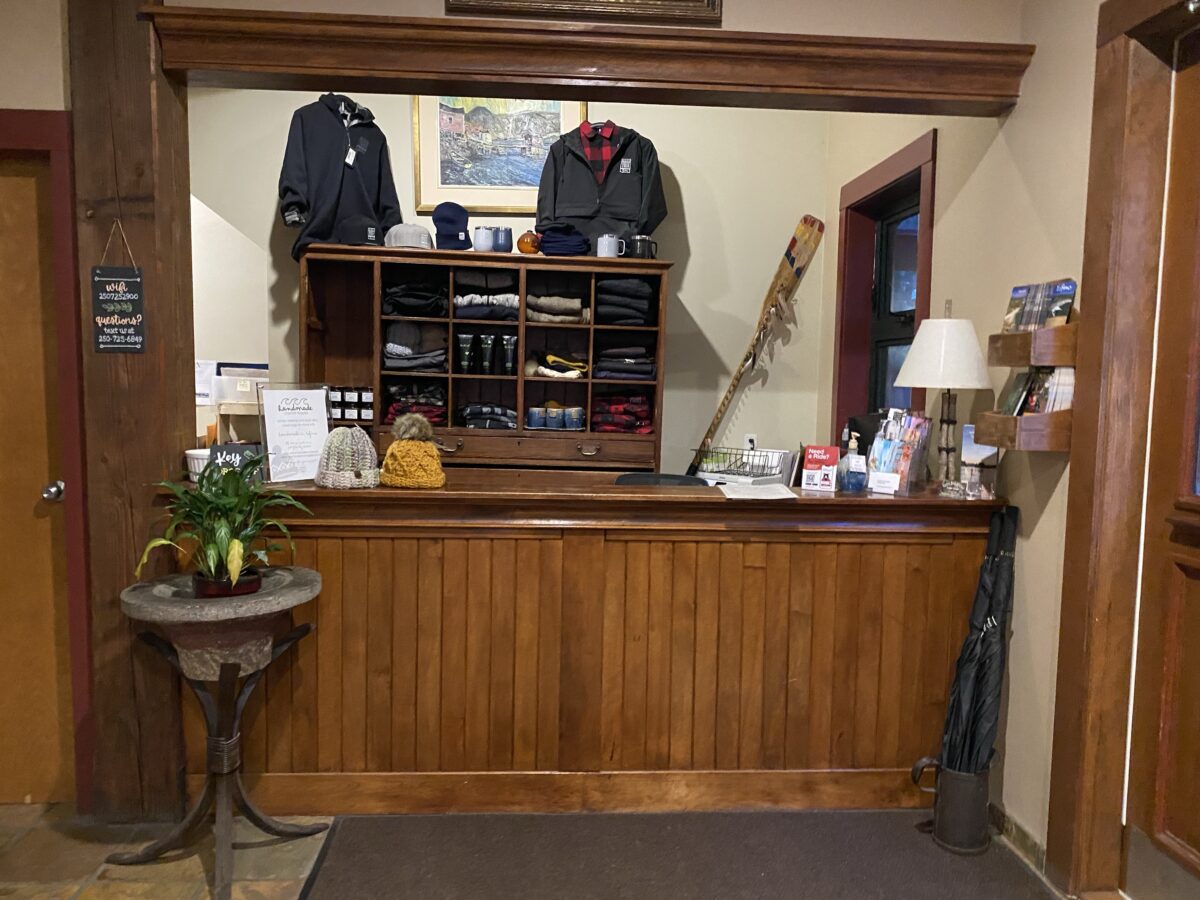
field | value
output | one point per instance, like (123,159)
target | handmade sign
(295,425)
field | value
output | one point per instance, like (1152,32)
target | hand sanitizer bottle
(852,470)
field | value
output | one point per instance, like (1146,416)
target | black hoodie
(336,166)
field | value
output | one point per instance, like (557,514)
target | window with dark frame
(893,301)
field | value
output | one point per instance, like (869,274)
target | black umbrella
(973,711)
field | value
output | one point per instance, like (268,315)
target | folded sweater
(562,306)
(626,287)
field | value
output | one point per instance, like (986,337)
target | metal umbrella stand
(960,819)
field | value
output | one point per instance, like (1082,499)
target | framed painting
(675,12)
(485,153)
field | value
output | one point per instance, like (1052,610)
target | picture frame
(485,153)
(673,12)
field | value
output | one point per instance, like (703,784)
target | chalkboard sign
(230,456)
(117,314)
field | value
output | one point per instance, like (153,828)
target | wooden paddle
(780,295)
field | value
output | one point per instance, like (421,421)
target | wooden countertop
(545,499)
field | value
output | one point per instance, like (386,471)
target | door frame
(47,134)
(915,163)
(1122,240)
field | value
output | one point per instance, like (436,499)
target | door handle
(588,450)
(53,492)
(458,445)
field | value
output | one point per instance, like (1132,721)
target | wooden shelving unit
(1045,431)
(1044,347)
(1049,432)
(344,329)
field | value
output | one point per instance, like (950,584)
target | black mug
(641,246)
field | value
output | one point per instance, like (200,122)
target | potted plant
(221,527)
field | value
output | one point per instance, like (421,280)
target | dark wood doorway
(1162,840)
(885,268)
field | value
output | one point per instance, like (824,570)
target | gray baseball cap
(408,235)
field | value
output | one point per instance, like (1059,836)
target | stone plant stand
(213,643)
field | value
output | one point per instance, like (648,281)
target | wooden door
(1162,839)
(36,734)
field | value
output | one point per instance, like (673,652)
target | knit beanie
(412,460)
(348,460)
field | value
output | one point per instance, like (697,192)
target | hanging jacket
(629,201)
(336,166)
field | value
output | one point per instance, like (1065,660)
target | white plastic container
(196,461)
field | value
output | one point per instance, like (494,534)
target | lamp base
(947,449)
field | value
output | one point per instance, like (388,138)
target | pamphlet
(296,425)
(820,469)
(1034,306)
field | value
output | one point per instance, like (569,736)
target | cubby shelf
(344,331)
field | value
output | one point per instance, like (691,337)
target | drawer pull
(588,451)
(458,445)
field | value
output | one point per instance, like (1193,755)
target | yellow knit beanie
(412,460)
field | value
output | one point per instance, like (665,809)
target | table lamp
(945,354)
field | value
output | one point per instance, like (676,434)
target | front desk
(529,645)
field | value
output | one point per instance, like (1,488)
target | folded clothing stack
(624,301)
(488,415)
(626,364)
(415,300)
(553,308)
(627,414)
(486,306)
(485,281)
(428,400)
(553,365)
(412,347)
(564,240)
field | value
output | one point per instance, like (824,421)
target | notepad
(757,492)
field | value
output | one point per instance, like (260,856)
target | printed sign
(297,423)
(118,319)
(230,456)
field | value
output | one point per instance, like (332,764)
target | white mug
(609,245)
(483,239)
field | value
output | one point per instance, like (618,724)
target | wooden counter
(558,647)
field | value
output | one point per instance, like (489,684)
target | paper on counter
(757,492)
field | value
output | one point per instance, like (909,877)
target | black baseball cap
(357,230)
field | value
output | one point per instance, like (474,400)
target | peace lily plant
(220,526)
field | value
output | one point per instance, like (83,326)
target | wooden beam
(1131,113)
(1155,24)
(232,48)
(131,162)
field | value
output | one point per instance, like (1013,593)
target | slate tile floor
(48,854)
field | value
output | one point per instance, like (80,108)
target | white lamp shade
(945,354)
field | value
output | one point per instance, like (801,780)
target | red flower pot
(249,582)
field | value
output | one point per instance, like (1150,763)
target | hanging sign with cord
(118,315)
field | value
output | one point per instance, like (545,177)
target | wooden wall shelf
(1044,347)
(1034,431)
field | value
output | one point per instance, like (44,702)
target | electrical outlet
(750,441)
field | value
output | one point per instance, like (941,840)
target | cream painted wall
(725,249)
(962,20)
(33,60)
(1010,202)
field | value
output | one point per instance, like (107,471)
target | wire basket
(738,461)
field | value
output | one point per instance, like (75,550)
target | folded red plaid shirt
(598,146)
